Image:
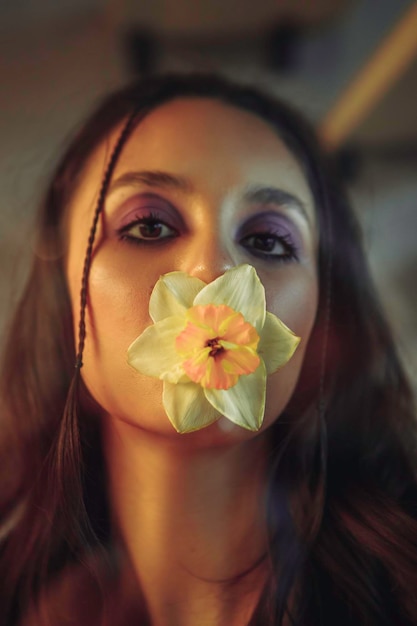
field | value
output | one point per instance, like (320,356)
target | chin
(138,407)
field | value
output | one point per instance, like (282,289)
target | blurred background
(349,65)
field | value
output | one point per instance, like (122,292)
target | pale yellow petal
(240,289)
(173,294)
(187,407)
(153,353)
(278,343)
(243,404)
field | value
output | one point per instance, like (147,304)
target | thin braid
(66,452)
(99,208)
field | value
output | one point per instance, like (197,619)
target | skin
(188,507)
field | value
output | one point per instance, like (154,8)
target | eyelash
(153,220)
(284,239)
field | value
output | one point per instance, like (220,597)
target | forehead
(215,146)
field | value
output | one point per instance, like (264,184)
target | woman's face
(200,187)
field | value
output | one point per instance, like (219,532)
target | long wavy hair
(342,503)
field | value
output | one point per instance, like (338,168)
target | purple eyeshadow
(141,205)
(272,223)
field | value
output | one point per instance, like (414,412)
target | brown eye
(266,243)
(151,231)
(269,246)
(147,230)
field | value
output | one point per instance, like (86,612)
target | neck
(191,522)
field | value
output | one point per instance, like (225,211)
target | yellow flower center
(218,346)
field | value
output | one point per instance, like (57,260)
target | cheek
(294,299)
(118,303)
(116,313)
(295,303)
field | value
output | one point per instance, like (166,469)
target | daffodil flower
(213,346)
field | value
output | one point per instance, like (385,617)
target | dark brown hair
(342,492)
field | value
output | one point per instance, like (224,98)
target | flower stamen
(215,346)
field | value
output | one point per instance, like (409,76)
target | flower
(213,346)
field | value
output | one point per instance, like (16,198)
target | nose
(207,257)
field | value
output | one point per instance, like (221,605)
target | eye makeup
(271,236)
(146,206)
(148,218)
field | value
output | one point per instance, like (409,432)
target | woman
(108,514)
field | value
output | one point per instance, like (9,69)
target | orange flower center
(218,346)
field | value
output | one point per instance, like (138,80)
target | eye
(270,246)
(147,229)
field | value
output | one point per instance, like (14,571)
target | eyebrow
(273,195)
(161,180)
